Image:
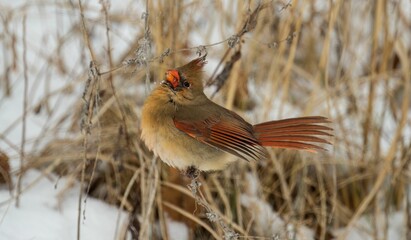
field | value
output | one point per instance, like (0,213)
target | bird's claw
(192,172)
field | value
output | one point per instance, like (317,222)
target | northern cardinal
(189,131)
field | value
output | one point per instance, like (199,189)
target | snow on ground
(45,214)
(177,230)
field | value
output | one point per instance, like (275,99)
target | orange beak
(173,77)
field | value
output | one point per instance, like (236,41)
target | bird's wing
(228,132)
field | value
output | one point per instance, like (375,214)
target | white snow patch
(177,230)
(41,215)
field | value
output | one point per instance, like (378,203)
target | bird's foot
(192,172)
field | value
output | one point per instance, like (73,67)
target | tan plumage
(186,129)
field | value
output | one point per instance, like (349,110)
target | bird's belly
(179,150)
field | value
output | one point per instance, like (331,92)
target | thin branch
(212,216)
(24,124)
(85,33)
(90,101)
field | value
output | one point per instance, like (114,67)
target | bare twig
(249,25)
(85,33)
(23,131)
(225,73)
(90,101)
(143,52)
(229,234)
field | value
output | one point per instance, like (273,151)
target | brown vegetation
(349,60)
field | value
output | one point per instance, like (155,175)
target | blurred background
(74,76)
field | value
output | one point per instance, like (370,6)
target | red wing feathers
(234,137)
(296,133)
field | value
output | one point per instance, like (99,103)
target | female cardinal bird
(189,131)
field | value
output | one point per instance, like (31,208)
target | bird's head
(185,82)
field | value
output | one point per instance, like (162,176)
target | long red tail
(295,133)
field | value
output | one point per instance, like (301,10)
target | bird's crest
(194,67)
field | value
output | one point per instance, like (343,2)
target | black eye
(186,84)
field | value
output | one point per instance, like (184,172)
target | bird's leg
(192,172)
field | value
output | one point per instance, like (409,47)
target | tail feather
(274,128)
(294,145)
(294,133)
(297,138)
(301,132)
(293,121)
